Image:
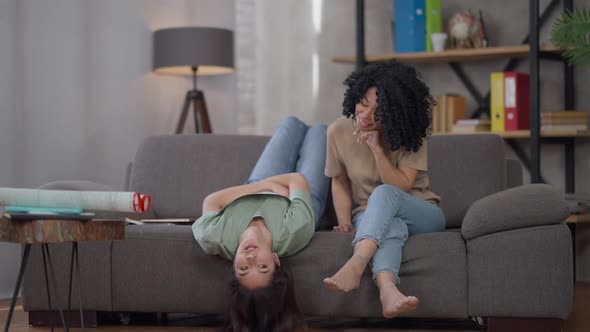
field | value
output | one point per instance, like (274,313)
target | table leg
(572,227)
(71,270)
(21,272)
(63,320)
(75,252)
(46,281)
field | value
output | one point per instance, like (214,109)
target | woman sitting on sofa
(377,158)
(274,215)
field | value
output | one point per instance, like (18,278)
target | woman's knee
(320,127)
(386,191)
(317,133)
(441,221)
(292,121)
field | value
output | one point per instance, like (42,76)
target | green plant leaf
(571,32)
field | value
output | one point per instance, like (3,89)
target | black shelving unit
(533,161)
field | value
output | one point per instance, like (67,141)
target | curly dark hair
(404,102)
(269,309)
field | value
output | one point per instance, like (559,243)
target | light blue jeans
(391,216)
(296,147)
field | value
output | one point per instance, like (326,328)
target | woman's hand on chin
(370,137)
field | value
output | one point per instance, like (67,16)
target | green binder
(433,21)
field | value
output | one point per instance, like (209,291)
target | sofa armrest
(524,206)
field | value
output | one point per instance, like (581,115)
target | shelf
(578,219)
(523,134)
(456,55)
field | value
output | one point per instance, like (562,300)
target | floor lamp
(193,51)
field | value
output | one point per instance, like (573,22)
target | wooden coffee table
(44,232)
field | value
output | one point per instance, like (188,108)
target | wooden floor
(579,321)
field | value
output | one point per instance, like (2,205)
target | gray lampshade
(176,50)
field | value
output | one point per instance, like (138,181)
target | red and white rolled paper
(87,200)
(141,203)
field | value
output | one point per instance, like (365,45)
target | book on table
(15,212)
(160,221)
(47,216)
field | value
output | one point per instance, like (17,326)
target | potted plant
(571,32)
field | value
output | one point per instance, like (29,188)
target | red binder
(516,101)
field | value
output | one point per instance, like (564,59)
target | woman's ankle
(386,278)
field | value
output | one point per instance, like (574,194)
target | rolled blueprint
(87,200)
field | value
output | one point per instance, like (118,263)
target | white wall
(90,96)
(77,94)
(51,45)
(117,108)
(9,153)
(8,113)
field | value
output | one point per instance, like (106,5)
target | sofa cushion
(433,269)
(463,169)
(161,268)
(179,171)
(165,263)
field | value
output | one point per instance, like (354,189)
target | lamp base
(197,99)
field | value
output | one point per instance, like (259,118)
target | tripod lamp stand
(193,51)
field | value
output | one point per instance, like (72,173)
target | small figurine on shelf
(467,30)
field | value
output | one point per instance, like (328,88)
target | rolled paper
(87,200)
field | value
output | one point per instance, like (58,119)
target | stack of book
(447,111)
(471,126)
(564,121)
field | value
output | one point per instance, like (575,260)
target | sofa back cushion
(180,171)
(463,169)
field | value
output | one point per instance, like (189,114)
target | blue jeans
(391,216)
(296,147)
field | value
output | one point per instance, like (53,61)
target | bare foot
(394,303)
(349,276)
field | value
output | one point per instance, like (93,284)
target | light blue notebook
(29,209)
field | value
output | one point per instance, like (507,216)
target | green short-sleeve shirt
(290,222)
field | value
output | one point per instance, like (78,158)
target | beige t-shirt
(347,157)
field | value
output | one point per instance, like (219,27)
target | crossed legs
(382,230)
(393,302)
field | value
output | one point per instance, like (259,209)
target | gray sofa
(506,253)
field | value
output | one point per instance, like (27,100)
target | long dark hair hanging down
(269,309)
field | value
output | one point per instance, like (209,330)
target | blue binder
(409,26)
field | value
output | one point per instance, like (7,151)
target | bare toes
(404,305)
(331,284)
